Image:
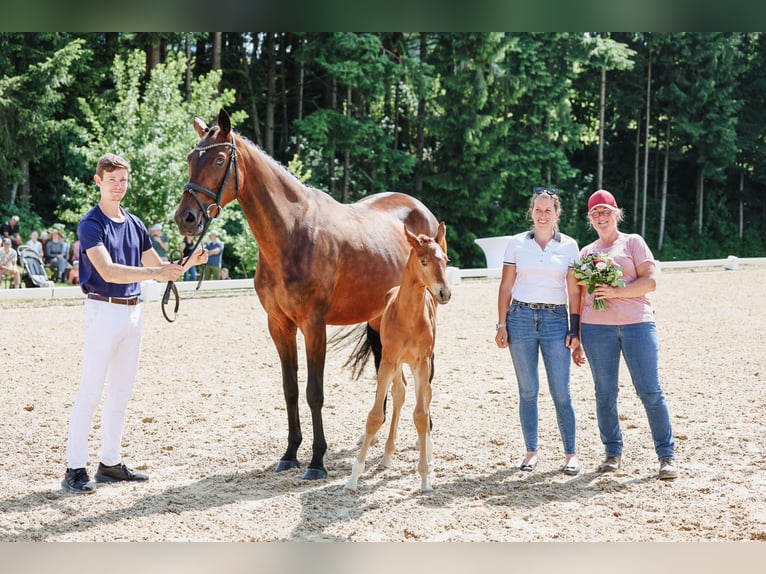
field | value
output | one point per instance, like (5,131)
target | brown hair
(111,162)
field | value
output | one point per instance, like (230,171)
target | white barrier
(454,275)
(150,290)
(494,249)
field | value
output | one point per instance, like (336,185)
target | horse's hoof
(314,474)
(286,465)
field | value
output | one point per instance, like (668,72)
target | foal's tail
(367,342)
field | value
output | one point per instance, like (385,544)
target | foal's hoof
(314,474)
(286,465)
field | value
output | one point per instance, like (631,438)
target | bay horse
(320,262)
(408,333)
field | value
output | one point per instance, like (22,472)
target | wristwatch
(498,325)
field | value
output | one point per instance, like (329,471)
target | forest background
(672,123)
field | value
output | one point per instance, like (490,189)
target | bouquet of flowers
(598,269)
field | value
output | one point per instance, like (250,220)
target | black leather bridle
(194,189)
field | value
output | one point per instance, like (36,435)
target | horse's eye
(424,263)
(219,162)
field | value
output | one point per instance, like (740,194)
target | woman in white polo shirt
(537,285)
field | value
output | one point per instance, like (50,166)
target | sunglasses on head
(547,190)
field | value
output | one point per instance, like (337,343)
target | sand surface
(207,422)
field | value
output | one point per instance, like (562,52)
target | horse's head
(214,177)
(430,253)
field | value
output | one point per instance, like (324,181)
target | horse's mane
(280,170)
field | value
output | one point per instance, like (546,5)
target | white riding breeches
(111,347)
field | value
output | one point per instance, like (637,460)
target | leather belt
(546,306)
(117,300)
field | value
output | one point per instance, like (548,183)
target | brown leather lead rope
(171,286)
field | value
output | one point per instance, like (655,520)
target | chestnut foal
(407,333)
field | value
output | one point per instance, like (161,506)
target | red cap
(601,197)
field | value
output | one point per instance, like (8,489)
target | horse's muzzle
(189,221)
(443,294)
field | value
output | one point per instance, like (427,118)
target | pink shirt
(629,251)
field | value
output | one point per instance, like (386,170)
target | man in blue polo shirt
(116,254)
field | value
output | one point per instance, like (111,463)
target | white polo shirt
(541,273)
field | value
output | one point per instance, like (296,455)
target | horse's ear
(441,232)
(441,237)
(200,126)
(224,122)
(411,237)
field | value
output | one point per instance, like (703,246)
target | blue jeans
(638,344)
(530,332)
(191,274)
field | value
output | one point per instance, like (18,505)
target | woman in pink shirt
(625,328)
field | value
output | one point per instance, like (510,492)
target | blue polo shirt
(125,242)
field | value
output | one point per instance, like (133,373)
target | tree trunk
(646,142)
(636,172)
(23,189)
(741,205)
(283,93)
(664,201)
(13,193)
(420,137)
(397,97)
(346,155)
(601,109)
(153,52)
(331,159)
(301,74)
(656,186)
(271,92)
(700,197)
(251,88)
(217,43)
(189,68)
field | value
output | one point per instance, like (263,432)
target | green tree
(700,99)
(29,103)
(467,172)
(353,137)
(147,121)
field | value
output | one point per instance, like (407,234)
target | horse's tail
(367,342)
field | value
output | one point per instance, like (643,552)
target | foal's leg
(421,416)
(398,391)
(374,421)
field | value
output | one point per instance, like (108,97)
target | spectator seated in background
(73,277)
(8,260)
(43,240)
(56,256)
(10,229)
(35,244)
(74,273)
(159,241)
